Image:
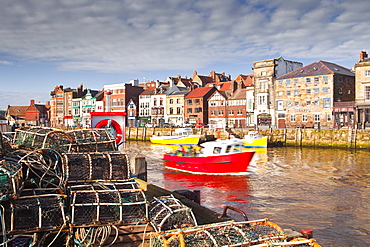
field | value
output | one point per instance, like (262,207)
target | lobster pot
(43,169)
(41,210)
(107,204)
(5,141)
(39,137)
(11,178)
(95,166)
(228,233)
(167,212)
(91,140)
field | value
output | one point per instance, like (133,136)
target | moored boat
(183,136)
(254,139)
(216,157)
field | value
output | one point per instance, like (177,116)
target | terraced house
(362,71)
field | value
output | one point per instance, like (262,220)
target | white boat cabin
(221,147)
(183,132)
(252,135)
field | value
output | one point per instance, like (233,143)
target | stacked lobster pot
(167,213)
(91,140)
(66,188)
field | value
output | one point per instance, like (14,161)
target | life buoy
(106,123)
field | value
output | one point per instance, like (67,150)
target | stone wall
(343,138)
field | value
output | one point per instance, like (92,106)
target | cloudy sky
(100,42)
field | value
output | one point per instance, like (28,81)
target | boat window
(217,150)
(228,149)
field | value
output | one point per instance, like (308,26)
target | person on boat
(191,151)
(180,150)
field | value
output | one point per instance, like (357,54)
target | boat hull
(256,143)
(175,140)
(221,164)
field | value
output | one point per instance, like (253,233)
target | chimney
(32,102)
(363,55)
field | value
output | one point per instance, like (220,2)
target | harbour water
(326,190)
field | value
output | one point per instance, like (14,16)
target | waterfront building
(61,105)
(117,98)
(305,97)
(217,110)
(265,72)
(362,71)
(196,105)
(175,107)
(144,106)
(31,115)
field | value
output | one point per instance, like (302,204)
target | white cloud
(131,36)
(6,63)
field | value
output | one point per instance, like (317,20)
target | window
(328,117)
(280,83)
(190,102)
(287,82)
(240,111)
(178,101)
(317,117)
(325,90)
(308,91)
(308,80)
(316,79)
(197,101)
(178,110)
(190,110)
(296,103)
(326,102)
(316,90)
(155,102)
(171,101)
(308,103)
(288,104)
(325,79)
(367,73)
(280,93)
(367,92)
(171,110)
(292,118)
(288,93)
(296,81)
(316,102)
(296,92)
(304,118)
(263,73)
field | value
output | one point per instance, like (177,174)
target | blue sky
(96,42)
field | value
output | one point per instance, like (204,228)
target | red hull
(220,164)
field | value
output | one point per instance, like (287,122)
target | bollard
(138,167)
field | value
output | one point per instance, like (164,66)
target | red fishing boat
(216,157)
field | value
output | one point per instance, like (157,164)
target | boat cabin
(221,147)
(253,135)
(183,132)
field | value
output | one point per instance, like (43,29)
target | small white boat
(182,136)
(254,139)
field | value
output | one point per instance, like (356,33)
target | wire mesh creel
(40,137)
(11,179)
(34,210)
(167,212)
(95,166)
(91,140)
(230,233)
(106,203)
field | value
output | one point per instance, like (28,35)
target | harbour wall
(338,138)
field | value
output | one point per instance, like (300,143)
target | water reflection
(327,190)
